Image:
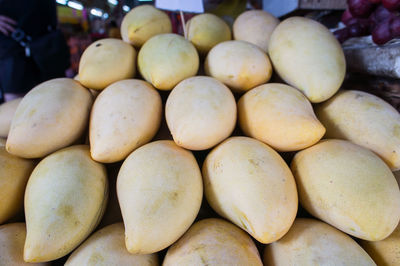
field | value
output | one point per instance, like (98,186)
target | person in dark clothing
(31,49)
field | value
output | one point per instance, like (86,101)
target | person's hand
(7,25)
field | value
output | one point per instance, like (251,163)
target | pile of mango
(204,149)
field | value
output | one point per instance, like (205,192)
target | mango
(207,30)
(106,61)
(125,115)
(280,116)
(142,23)
(64,201)
(7,111)
(167,59)
(53,115)
(200,113)
(366,120)
(311,242)
(238,64)
(248,183)
(349,187)
(159,189)
(12,239)
(14,174)
(256,27)
(385,252)
(213,242)
(107,247)
(308,57)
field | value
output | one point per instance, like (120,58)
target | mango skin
(200,113)
(366,120)
(159,190)
(142,23)
(7,111)
(213,242)
(207,30)
(126,115)
(256,27)
(311,242)
(385,252)
(53,115)
(14,174)
(349,187)
(106,247)
(239,65)
(12,239)
(64,201)
(167,59)
(280,116)
(248,183)
(106,61)
(308,57)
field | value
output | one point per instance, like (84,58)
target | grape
(380,14)
(361,28)
(342,34)
(360,8)
(395,27)
(346,17)
(375,1)
(381,34)
(391,4)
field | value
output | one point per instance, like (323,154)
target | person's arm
(7,25)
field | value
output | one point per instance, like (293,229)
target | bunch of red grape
(380,18)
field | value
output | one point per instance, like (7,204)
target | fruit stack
(217,139)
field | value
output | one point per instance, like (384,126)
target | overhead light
(105,16)
(75,5)
(96,12)
(113,2)
(61,2)
(126,8)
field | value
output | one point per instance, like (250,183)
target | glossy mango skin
(311,242)
(248,183)
(349,187)
(366,120)
(280,116)
(65,199)
(308,57)
(213,242)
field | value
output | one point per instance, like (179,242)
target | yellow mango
(7,111)
(311,242)
(256,27)
(348,187)
(53,115)
(64,201)
(106,61)
(238,64)
(142,23)
(106,247)
(12,239)
(159,190)
(385,252)
(248,183)
(280,116)
(366,120)
(307,56)
(200,113)
(125,115)
(207,30)
(14,174)
(166,59)
(213,242)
